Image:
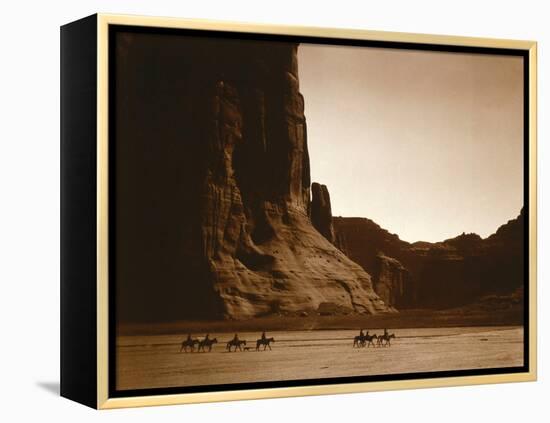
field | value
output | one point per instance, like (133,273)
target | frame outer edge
(533,251)
(103,400)
(102,214)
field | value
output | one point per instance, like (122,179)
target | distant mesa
(451,273)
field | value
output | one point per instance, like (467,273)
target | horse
(359,341)
(235,343)
(369,339)
(265,342)
(188,343)
(386,337)
(207,343)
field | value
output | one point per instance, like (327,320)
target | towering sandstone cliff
(230,118)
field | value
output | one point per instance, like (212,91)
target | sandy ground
(155,361)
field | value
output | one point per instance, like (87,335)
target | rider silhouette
(236,338)
(361,334)
(188,337)
(385,332)
(263,336)
(207,337)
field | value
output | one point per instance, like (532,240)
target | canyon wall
(213,212)
(215,217)
(451,273)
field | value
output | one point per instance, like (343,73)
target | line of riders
(366,340)
(205,344)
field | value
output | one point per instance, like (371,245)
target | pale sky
(426,144)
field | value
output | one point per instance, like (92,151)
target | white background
(29,209)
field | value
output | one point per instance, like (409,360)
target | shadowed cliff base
(473,315)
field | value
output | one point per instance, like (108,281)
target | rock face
(321,211)
(381,254)
(450,273)
(230,118)
(392,281)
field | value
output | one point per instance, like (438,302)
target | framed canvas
(252,211)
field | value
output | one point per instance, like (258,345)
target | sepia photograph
(286,211)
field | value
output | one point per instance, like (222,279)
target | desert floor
(155,361)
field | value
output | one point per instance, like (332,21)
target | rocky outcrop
(392,282)
(446,274)
(228,119)
(321,211)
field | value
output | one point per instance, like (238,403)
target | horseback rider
(189,337)
(236,338)
(361,334)
(207,337)
(265,341)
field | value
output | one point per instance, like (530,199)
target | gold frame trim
(103,22)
